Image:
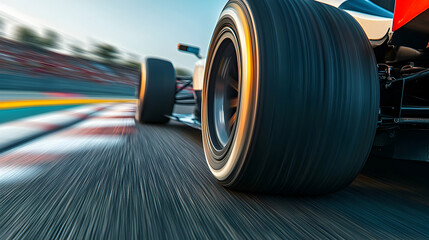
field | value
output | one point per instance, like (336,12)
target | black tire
(308,97)
(156,91)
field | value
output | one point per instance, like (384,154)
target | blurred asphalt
(107,178)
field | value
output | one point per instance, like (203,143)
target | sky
(144,27)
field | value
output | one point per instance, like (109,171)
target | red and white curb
(104,128)
(15,132)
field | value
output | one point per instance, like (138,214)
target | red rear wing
(406,10)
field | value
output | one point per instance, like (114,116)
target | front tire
(291,97)
(156,91)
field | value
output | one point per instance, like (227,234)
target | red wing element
(406,10)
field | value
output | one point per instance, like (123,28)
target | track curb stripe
(21,131)
(56,102)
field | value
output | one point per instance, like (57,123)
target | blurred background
(94,48)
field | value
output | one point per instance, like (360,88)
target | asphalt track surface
(109,178)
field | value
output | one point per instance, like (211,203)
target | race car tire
(156,91)
(291,97)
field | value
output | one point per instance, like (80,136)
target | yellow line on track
(58,102)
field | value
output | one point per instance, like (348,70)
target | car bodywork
(400,42)
(375,20)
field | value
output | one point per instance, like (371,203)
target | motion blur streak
(94,132)
(56,102)
(107,178)
(16,173)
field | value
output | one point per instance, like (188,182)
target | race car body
(374,20)
(293,93)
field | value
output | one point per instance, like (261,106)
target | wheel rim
(223,95)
